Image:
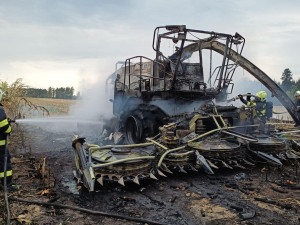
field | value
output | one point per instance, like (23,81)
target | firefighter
(259,112)
(297,96)
(5,130)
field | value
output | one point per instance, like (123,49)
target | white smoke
(173,107)
(85,118)
(94,103)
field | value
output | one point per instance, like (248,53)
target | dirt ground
(194,198)
(43,164)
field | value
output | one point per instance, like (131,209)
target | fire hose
(5,183)
(5,176)
(129,218)
(100,213)
(238,97)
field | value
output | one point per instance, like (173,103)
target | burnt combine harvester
(170,119)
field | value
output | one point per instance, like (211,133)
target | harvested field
(56,107)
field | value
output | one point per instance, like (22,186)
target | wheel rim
(133,130)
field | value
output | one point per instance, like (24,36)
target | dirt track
(193,198)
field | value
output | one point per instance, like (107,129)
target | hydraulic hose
(156,143)
(181,154)
(97,147)
(205,134)
(123,160)
(219,129)
(167,152)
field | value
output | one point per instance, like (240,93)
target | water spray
(55,120)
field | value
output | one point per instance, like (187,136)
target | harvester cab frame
(221,74)
(172,76)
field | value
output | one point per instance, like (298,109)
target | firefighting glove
(248,97)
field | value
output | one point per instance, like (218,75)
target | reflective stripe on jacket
(4,123)
(8,173)
(5,128)
(260,108)
(2,142)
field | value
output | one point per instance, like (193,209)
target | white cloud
(60,43)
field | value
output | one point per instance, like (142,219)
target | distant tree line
(58,93)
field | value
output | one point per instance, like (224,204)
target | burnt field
(43,164)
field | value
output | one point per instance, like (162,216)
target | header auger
(206,144)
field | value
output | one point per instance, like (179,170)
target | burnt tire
(133,130)
(142,123)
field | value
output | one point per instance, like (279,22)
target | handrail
(127,71)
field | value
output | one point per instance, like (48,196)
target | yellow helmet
(262,95)
(297,93)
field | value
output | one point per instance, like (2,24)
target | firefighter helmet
(262,95)
(297,93)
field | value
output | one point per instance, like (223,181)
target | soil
(43,164)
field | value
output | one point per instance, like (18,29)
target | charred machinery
(185,148)
(173,105)
(148,91)
(198,71)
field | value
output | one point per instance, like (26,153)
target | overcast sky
(77,42)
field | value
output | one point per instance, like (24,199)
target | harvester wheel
(133,129)
(142,123)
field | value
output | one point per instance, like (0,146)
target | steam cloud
(95,104)
(85,117)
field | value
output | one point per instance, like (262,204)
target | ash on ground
(43,163)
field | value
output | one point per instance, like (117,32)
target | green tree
(59,93)
(50,92)
(295,87)
(287,79)
(69,92)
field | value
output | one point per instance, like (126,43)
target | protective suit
(5,130)
(297,100)
(259,112)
